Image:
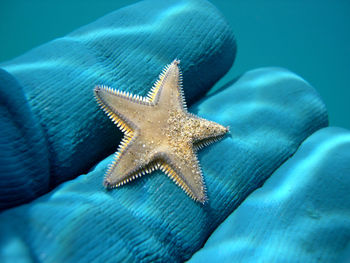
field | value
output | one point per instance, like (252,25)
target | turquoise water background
(311,38)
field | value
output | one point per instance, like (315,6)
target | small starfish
(159,134)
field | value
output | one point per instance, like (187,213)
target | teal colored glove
(270,113)
(53,129)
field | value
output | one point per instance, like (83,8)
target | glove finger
(301,214)
(24,164)
(269,111)
(127,50)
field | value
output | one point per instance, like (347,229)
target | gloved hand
(127,49)
(56,133)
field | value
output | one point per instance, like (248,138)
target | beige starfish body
(159,134)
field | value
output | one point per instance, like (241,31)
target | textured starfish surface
(159,133)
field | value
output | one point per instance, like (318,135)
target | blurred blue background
(311,38)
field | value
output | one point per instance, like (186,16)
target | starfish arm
(182,166)
(205,132)
(167,91)
(126,110)
(133,159)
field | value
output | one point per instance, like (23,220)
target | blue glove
(127,49)
(63,134)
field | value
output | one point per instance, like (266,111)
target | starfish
(159,134)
